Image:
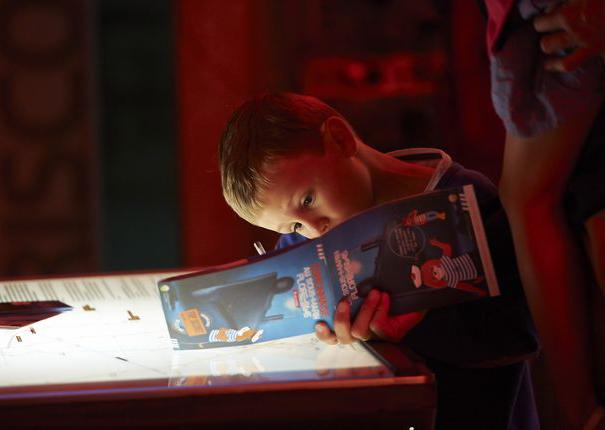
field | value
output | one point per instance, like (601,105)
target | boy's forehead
(286,178)
(287,175)
(273,213)
(286,166)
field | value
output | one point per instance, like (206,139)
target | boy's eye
(307,201)
(296,226)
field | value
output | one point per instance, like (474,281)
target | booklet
(19,314)
(426,251)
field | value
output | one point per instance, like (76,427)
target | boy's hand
(373,319)
(575,24)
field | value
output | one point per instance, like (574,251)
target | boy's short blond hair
(261,131)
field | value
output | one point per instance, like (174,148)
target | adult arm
(535,173)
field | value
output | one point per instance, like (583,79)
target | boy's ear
(338,136)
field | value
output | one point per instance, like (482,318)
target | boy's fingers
(379,323)
(361,325)
(406,322)
(342,322)
(556,42)
(323,333)
(393,328)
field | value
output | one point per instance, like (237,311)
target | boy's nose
(318,226)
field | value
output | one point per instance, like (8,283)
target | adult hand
(577,25)
(372,320)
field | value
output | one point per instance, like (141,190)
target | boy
(292,164)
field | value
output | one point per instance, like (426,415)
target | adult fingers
(361,326)
(552,21)
(557,42)
(342,322)
(569,62)
(324,334)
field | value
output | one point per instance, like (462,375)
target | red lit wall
(228,51)
(221,60)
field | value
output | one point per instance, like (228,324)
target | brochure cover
(426,251)
(20,314)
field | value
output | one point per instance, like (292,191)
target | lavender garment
(529,99)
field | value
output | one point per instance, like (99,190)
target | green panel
(138,141)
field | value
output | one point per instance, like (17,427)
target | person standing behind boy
(548,85)
(292,164)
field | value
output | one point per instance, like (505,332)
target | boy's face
(438,272)
(310,194)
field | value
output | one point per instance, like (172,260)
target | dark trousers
(484,398)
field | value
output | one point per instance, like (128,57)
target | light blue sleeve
(529,99)
(289,239)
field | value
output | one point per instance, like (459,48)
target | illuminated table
(109,364)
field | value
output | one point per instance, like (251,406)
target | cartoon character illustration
(231,335)
(243,303)
(415,218)
(455,272)
(224,313)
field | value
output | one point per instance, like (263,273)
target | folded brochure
(19,314)
(426,251)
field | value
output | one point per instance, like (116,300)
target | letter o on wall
(18,17)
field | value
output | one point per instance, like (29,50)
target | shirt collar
(430,157)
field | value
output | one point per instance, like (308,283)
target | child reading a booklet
(294,165)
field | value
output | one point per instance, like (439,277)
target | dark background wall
(110,113)
(88,169)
